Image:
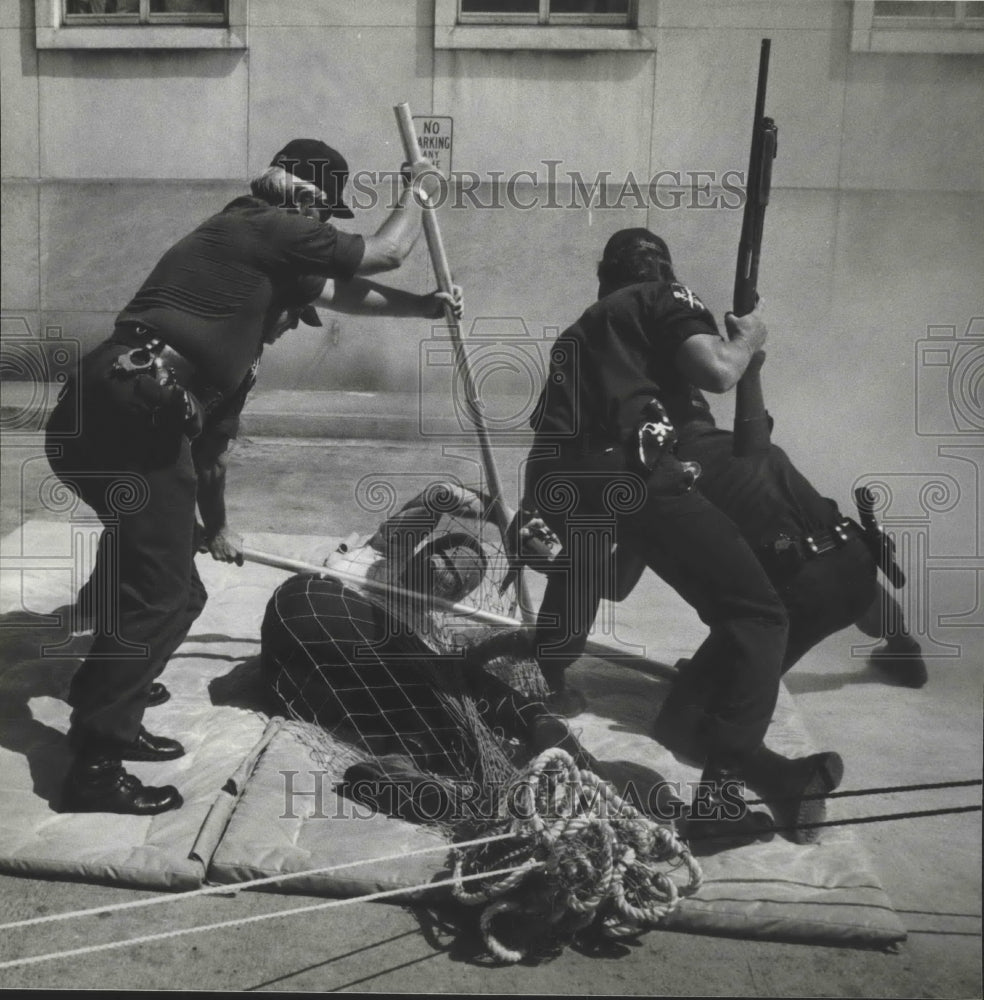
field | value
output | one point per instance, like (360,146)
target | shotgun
(757,186)
(752,422)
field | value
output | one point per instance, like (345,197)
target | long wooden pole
(379,586)
(431,601)
(442,272)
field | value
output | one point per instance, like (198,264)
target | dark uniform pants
(590,499)
(140,480)
(826,594)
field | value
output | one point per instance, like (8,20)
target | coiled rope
(582,855)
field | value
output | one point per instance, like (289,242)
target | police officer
(158,402)
(822,564)
(603,471)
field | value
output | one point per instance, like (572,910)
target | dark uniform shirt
(764,493)
(210,295)
(619,355)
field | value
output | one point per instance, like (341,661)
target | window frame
(56,29)
(871,33)
(635,31)
(144,16)
(543,17)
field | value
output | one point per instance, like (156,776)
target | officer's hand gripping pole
(502,514)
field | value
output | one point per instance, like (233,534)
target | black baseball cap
(313,161)
(625,237)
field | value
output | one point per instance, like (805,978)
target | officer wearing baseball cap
(158,403)
(603,469)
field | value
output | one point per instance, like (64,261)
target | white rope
(237,886)
(600,857)
(241,921)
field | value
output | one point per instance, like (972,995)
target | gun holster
(880,544)
(165,397)
(655,435)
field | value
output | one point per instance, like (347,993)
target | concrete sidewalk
(290,413)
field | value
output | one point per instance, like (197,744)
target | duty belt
(787,554)
(152,355)
(632,448)
(591,444)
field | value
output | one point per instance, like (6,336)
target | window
(927,13)
(555,12)
(545,24)
(918,26)
(172,12)
(140,24)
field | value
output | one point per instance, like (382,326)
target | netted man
(388,668)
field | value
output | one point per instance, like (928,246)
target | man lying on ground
(403,678)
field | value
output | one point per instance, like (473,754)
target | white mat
(239,823)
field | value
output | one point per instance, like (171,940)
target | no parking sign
(435,136)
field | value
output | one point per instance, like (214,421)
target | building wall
(873,233)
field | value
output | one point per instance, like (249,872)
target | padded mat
(249,780)
(38,656)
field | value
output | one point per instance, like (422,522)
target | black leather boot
(794,788)
(900,659)
(157,695)
(97,783)
(718,818)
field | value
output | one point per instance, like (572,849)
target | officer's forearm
(211,497)
(362,297)
(395,238)
(714,364)
(210,453)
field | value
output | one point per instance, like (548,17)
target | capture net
(433,715)
(394,672)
